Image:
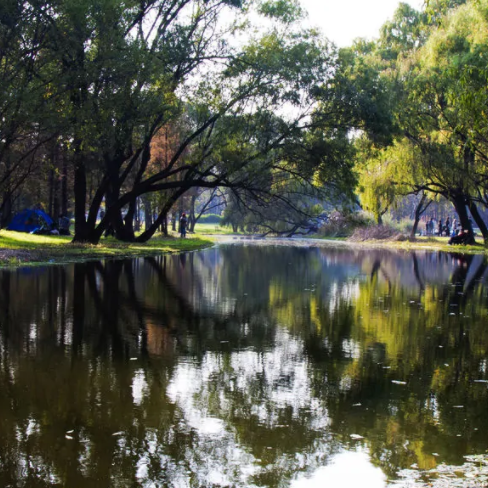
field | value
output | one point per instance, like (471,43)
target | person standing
(183,222)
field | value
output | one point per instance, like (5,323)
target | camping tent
(29,220)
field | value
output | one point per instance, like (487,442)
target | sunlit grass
(21,248)
(212,229)
(431,243)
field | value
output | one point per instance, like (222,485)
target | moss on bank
(20,249)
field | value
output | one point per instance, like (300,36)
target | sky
(343,20)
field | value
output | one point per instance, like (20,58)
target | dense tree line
(433,67)
(89,87)
(109,107)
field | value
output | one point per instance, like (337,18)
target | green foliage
(287,11)
(210,219)
(343,224)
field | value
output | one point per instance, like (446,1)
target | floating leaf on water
(397,382)
(70,431)
(414,465)
(435,454)
(133,359)
(118,433)
(480,381)
(357,405)
(386,367)
(445,364)
(68,437)
(458,406)
(356,436)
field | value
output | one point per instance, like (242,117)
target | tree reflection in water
(241,366)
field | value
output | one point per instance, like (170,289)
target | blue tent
(29,220)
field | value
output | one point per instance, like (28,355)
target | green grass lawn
(212,229)
(18,248)
(430,243)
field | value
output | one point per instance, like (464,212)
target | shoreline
(21,250)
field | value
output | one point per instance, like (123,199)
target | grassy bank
(427,244)
(20,249)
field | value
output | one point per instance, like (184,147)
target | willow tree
(445,106)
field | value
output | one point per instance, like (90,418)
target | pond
(246,366)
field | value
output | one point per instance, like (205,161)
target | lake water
(245,366)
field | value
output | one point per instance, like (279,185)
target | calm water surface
(243,366)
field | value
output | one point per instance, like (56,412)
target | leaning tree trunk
(479,220)
(163,213)
(459,202)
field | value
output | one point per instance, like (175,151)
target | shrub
(404,225)
(378,232)
(343,224)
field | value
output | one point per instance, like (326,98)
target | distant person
(448,226)
(440,227)
(432,226)
(454,229)
(183,223)
(63,225)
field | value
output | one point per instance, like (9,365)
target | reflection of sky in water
(345,470)
(200,390)
(283,370)
(253,374)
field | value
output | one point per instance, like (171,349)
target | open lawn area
(213,229)
(19,249)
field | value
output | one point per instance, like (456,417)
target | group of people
(450,229)
(432,227)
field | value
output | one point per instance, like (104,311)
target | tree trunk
(191,217)
(81,234)
(459,202)
(6,210)
(479,220)
(146,235)
(148,216)
(64,188)
(419,210)
(50,205)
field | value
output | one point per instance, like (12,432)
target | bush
(210,219)
(344,224)
(404,225)
(378,232)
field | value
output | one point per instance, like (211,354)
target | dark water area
(243,366)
